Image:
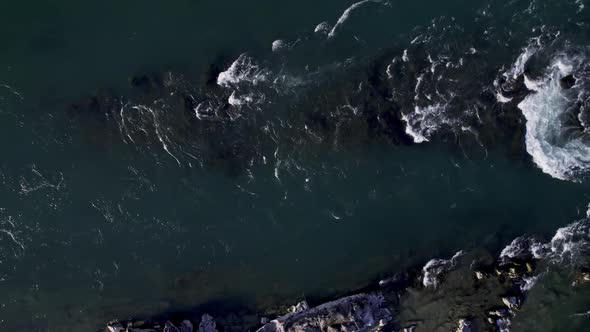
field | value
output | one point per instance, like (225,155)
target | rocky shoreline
(471,291)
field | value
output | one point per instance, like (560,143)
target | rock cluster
(207,324)
(362,312)
(476,294)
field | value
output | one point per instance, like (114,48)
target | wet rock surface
(469,291)
(476,293)
(362,312)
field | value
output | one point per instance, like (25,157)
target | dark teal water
(94,226)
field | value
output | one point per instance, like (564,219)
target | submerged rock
(567,82)
(207,324)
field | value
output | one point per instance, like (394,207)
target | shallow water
(99,222)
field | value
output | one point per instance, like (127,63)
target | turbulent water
(161,157)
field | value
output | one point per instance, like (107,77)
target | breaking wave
(432,271)
(557,114)
(242,70)
(569,245)
(346,14)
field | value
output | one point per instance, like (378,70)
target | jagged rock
(115,328)
(207,324)
(434,271)
(131,327)
(515,268)
(142,326)
(583,276)
(512,302)
(479,275)
(501,319)
(464,325)
(186,326)
(362,312)
(412,302)
(299,307)
(169,327)
(409,328)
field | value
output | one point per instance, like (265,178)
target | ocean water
(163,156)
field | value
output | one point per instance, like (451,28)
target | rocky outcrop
(479,293)
(141,326)
(362,312)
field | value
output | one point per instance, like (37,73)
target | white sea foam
(569,243)
(239,101)
(501,99)
(205,110)
(12,90)
(435,267)
(13,238)
(580,4)
(556,154)
(346,14)
(521,246)
(463,326)
(242,70)
(518,67)
(531,84)
(160,134)
(529,283)
(323,27)
(247,99)
(278,45)
(424,121)
(405,57)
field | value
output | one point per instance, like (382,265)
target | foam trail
(242,70)
(13,238)
(12,90)
(157,129)
(424,121)
(346,14)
